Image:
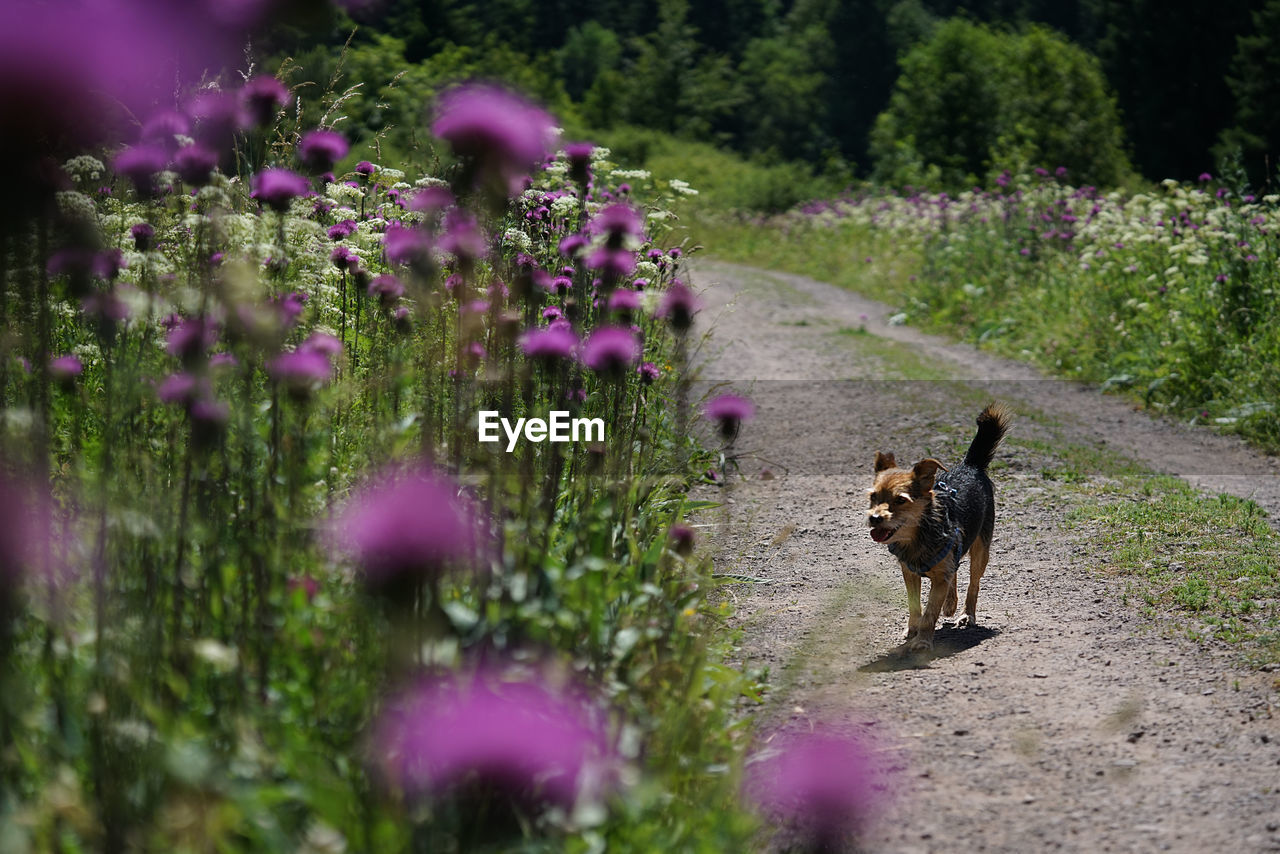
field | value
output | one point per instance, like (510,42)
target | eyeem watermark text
(558,427)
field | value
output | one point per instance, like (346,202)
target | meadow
(1166,293)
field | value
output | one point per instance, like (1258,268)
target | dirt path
(1064,721)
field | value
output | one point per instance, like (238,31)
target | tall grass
(253,517)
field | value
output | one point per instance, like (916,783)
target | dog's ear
(884,461)
(922,474)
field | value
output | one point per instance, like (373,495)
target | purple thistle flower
(679,304)
(532,743)
(26,537)
(342,230)
(262,98)
(387,288)
(821,784)
(289,307)
(501,133)
(322,343)
(195,164)
(682,539)
(624,301)
(65,369)
(189,340)
(611,350)
(217,117)
(408,524)
(140,164)
(208,412)
(179,388)
(648,372)
(1205,177)
(572,245)
(462,236)
(578,156)
(320,150)
(729,411)
(618,222)
(163,126)
(408,246)
(276,188)
(300,370)
(431,200)
(615,263)
(143,235)
(549,344)
(343,259)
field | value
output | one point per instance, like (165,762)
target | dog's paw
(967,621)
(918,644)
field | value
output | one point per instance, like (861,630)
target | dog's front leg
(913,602)
(939,585)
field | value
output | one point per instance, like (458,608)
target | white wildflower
(630,174)
(84,168)
(76,206)
(518,239)
(343,192)
(221,657)
(564,206)
(681,187)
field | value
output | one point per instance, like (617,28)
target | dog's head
(899,497)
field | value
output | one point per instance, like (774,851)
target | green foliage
(723,180)
(588,51)
(973,101)
(1214,561)
(1255,84)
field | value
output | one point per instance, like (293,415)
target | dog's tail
(993,423)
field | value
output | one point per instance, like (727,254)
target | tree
(1255,83)
(972,100)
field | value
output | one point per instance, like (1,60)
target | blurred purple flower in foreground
(611,350)
(549,344)
(501,133)
(194,164)
(276,188)
(729,411)
(65,369)
(73,72)
(320,150)
(140,164)
(408,524)
(821,785)
(26,537)
(262,97)
(524,738)
(679,305)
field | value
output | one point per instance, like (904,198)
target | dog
(929,522)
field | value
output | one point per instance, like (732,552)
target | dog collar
(954,544)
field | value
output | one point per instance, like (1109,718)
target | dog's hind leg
(913,602)
(953,598)
(979,553)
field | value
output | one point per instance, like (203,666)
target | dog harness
(954,543)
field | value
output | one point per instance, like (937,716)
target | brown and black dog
(929,522)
